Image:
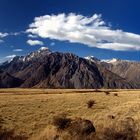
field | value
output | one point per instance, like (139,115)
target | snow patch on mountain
(37,54)
(92,58)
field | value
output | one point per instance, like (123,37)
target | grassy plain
(30,111)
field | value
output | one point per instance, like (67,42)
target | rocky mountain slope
(45,69)
(126,69)
(8,81)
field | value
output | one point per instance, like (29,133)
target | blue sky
(102,28)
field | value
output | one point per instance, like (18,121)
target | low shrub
(115,94)
(73,129)
(111,116)
(107,93)
(90,103)
(61,121)
(81,127)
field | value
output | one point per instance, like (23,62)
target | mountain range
(46,69)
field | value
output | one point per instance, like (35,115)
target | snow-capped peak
(43,49)
(37,54)
(116,61)
(92,58)
(113,60)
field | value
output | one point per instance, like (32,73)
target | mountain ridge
(46,69)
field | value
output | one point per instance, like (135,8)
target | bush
(111,116)
(73,129)
(115,94)
(81,127)
(90,103)
(77,129)
(61,121)
(107,93)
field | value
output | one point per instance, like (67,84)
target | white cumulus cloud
(91,31)
(34,42)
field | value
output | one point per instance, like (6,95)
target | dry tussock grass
(65,128)
(29,112)
(81,129)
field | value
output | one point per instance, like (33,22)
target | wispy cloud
(10,56)
(35,42)
(1,41)
(2,35)
(17,33)
(91,31)
(17,50)
(52,44)
(32,36)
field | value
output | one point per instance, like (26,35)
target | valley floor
(30,111)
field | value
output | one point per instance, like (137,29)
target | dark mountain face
(44,69)
(8,81)
(59,70)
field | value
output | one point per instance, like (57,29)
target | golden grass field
(30,111)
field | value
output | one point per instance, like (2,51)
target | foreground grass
(30,112)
